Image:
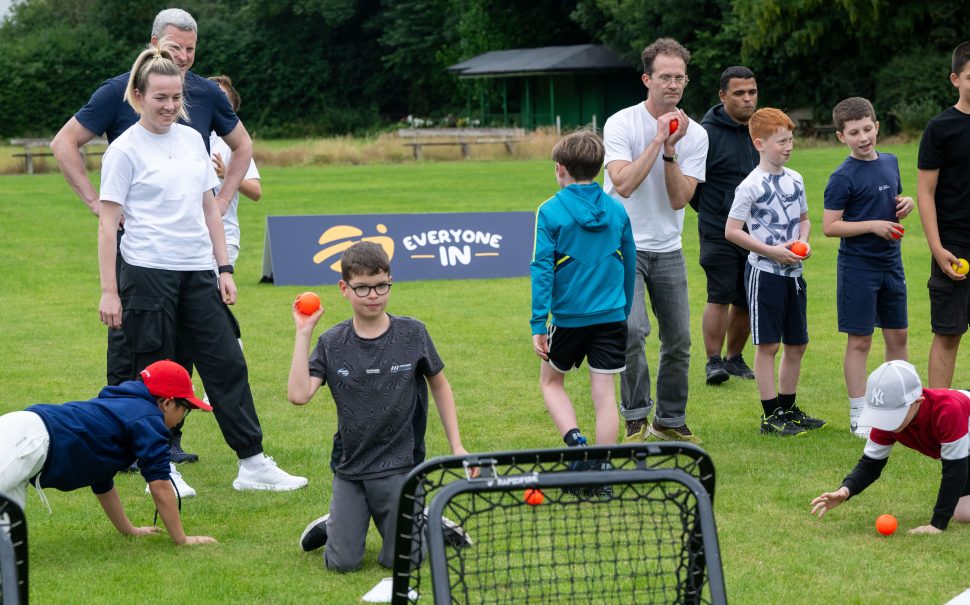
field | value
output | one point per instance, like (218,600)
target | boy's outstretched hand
(196,540)
(829,500)
(144,531)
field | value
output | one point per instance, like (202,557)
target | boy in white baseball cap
(934,422)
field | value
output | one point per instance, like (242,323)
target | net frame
(425,481)
(13,553)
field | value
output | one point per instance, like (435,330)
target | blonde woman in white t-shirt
(158,176)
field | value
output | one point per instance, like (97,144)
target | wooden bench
(807,125)
(462,137)
(41,148)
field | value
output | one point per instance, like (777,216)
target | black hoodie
(731,156)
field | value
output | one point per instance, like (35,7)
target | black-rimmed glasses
(364,291)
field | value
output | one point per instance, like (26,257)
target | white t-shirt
(626,134)
(161,196)
(230,220)
(771,206)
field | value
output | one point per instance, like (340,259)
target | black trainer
(178,454)
(803,420)
(315,534)
(735,366)
(779,425)
(716,374)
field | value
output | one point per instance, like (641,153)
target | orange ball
(534,497)
(308,303)
(798,248)
(886,524)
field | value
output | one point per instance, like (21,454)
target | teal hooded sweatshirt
(584,260)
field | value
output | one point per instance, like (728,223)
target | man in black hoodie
(730,157)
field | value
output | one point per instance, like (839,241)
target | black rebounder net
(623,524)
(13,553)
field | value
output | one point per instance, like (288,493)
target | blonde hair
(153,61)
(766,122)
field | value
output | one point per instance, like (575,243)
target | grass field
(52,350)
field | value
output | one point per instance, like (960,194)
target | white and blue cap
(890,390)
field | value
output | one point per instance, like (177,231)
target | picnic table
(34,148)
(462,137)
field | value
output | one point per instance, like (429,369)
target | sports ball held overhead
(308,303)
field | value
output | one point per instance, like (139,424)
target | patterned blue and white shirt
(771,206)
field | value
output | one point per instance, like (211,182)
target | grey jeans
(664,276)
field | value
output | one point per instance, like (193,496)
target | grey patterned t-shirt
(378,385)
(771,206)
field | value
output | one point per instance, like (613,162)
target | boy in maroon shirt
(934,422)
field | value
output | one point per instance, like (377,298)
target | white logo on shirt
(373,371)
(404,367)
(343,372)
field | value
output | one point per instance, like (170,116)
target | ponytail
(153,60)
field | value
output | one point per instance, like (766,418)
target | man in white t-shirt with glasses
(655,157)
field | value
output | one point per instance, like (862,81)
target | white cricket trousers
(23,451)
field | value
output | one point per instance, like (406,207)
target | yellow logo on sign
(347,233)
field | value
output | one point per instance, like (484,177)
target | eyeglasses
(185,404)
(364,291)
(669,79)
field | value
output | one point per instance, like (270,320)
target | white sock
(855,406)
(253,462)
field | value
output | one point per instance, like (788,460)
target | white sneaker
(862,432)
(267,477)
(183,489)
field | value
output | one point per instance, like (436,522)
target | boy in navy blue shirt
(85,443)
(583,272)
(863,206)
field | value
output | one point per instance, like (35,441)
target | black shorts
(724,263)
(778,308)
(603,344)
(949,300)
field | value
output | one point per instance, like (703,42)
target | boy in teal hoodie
(583,271)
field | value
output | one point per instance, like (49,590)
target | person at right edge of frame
(943,199)
(731,157)
(655,157)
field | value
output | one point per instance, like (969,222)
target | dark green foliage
(314,67)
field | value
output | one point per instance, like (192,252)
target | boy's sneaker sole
(315,534)
(246,486)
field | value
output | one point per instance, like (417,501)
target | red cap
(168,379)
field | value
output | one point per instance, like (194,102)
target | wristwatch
(671,158)
(226,269)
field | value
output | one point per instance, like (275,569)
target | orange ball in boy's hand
(886,524)
(308,303)
(798,248)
